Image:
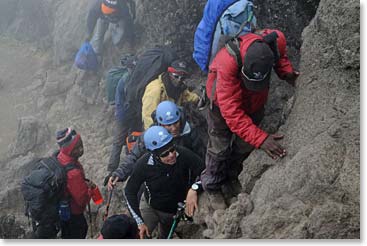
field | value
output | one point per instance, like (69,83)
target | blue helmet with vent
(156,137)
(167,113)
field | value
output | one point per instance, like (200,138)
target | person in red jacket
(77,188)
(238,93)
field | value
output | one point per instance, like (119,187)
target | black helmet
(128,60)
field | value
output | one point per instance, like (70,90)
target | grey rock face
(26,20)
(314,191)
(31,133)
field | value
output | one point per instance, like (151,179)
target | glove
(105,181)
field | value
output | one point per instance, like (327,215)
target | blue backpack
(228,18)
(86,58)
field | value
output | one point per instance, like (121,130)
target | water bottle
(64,210)
(96,195)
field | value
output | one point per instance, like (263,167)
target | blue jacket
(120,97)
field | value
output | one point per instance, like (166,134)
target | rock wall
(314,191)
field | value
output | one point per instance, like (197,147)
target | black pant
(44,231)
(225,151)
(48,225)
(75,228)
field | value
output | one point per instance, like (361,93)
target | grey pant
(117,31)
(152,217)
(225,151)
(119,139)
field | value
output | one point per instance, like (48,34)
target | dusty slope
(20,65)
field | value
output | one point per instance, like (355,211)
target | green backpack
(113,77)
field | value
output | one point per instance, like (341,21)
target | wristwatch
(195,187)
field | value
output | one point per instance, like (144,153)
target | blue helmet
(167,113)
(156,137)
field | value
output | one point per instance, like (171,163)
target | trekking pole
(173,227)
(176,218)
(90,220)
(108,204)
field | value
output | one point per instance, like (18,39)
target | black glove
(107,178)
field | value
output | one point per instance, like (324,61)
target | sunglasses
(178,76)
(259,76)
(166,153)
(175,123)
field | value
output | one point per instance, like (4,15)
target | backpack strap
(233,48)
(212,93)
(271,40)
(70,166)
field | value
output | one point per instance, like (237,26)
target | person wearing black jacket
(174,120)
(167,172)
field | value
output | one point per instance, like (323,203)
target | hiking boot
(216,200)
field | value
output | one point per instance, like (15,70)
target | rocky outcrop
(314,191)
(32,134)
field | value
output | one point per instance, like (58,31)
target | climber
(237,95)
(168,86)
(122,123)
(119,226)
(113,15)
(167,172)
(174,120)
(77,188)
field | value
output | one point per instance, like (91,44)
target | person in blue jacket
(122,125)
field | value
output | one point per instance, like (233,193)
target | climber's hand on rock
(272,147)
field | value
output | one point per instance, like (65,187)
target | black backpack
(44,187)
(149,66)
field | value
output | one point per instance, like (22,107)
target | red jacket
(235,102)
(76,186)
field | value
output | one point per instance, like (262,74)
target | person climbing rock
(123,124)
(238,88)
(174,120)
(110,14)
(167,172)
(168,86)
